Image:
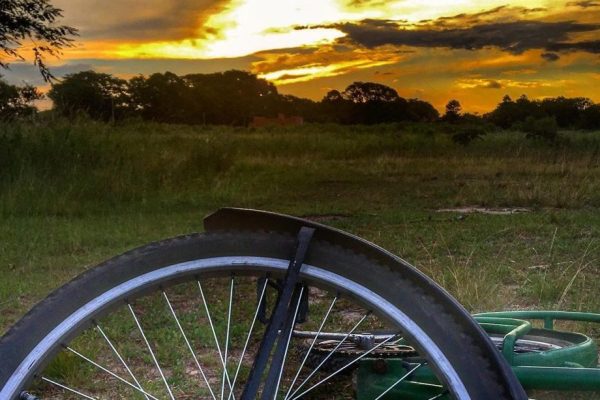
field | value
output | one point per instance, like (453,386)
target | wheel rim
(204,269)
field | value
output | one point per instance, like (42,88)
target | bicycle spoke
(95,364)
(212,327)
(151,352)
(120,359)
(312,344)
(439,396)
(330,354)
(403,377)
(343,368)
(227,341)
(189,346)
(287,345)
(248,336)
(85,396)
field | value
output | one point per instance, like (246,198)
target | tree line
(230,98)
(234,97)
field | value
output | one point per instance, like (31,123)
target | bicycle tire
(459,357)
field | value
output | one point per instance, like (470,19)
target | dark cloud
(19,73)
(550,56)
(139,20)
(590,46)
(514,37)
(584,3)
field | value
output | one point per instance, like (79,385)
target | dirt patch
(486,210)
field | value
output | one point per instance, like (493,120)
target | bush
(464,135)
(544,128)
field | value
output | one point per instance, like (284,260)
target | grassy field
(72,195)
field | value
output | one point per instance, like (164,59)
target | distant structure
(280,120)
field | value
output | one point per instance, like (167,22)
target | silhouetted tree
(333,96)
(36,21)
(421,111)
(590,117)
(566,112)
(99,95)
(366,92)
(232,97)
(505,113)
(372,103)
(17,102)
(453,109)
(160,97)
(292,105)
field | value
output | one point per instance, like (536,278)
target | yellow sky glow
(213,35)
(245,27)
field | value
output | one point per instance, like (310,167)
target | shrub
(464,135)
(544,128)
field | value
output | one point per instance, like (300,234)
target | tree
(421,111)
(16,102)
(578,112)
(453,109)
(365,92)
(101,96)
(161,97)
(373,103)
(590,117)
(35,20)
(567,111)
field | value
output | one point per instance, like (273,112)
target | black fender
(257,220)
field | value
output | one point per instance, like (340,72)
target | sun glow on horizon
(245,27)
(302,74)
(309,45)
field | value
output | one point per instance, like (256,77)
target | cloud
(19,73)
(550,56)
(483,83)
(478,83)
(584,3)
(139,21)
(514,37)
(590,46)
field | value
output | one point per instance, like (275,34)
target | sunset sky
(435,50)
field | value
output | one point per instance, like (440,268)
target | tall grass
(72,194)
(77,168)
(68,168)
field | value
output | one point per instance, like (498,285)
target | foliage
(35,20)
(577,112)
(453,110)
(590,117)
(101,96)
(366,92)
(465,134)
(371,103)
(228,98)
(16,102)
(235,97)
(544,128)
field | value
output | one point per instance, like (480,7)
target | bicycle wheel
(178,319)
